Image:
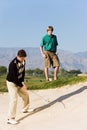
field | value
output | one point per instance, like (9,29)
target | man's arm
(42,52)
(56,43)
(56,40)
(41,48)
(23,75)
(13,73)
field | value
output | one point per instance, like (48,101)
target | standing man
(16,86)
(49,43)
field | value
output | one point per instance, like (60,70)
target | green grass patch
(3,87)
(40,83)
(34,83)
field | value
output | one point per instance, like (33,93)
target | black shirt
(16,72)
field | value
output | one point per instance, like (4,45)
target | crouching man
(16,86)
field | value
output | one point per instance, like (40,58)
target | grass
(3,87)
(40,83)
(62,81)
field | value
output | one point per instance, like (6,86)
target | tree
(3,70)
(29,72)
(75,72)
(35,72)
(63,72)
(38,71)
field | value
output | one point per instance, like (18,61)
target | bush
(3,70)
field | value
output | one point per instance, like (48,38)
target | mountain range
(68,60)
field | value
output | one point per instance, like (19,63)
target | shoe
(12,121)
(30,110)
(27,111)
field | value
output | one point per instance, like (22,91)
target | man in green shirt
(48,48)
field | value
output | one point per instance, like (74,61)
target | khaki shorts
(51,59)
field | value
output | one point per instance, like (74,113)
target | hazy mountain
(68,60)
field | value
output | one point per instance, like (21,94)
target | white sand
(57,109)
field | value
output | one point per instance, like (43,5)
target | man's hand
(24,88)
(44,56)
(42,52)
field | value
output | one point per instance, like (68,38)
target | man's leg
(12,89)
(56,64)
(25,96)
(56,72)
(46,74)
(47,63)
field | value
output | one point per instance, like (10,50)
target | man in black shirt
(16,86)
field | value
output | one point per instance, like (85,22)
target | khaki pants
(14,91)
(51,59)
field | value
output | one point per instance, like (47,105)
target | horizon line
(38,48)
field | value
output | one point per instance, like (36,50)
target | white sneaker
(12,121)
(26,111)
(30,110)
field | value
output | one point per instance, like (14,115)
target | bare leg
(46,74)
(56,72)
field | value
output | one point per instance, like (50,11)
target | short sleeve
(56,40)
(42,42)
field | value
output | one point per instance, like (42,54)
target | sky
(23,23)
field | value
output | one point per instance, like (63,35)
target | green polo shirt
(49,43)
